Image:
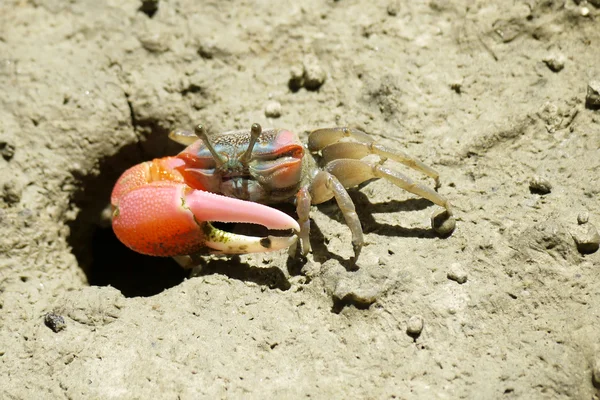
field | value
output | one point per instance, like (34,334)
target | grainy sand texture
(500,97)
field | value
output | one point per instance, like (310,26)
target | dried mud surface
(490,93)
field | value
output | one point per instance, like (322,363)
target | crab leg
(303,202)
(354,172)
(321,138)
(361,150)
(327,185)
(328,142)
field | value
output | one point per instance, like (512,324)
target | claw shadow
(233,268)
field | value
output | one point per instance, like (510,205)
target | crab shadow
(366,209)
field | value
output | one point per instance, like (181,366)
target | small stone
(556,62)
(314,74)
(296,78)
(414,327)
(11,192)
(393,8)
(583,217)
(273,109)
(443,223)
(55,322)
(7,150)
(539,185)
(457,273)
(552,117)
(154,42)
(456,86)
(592,99)
(586,238)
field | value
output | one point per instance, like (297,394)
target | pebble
(7,150)
(314,74)
(414,327)
(55,322)
(296,78)
(585,11)
(586,238)
(539,185)
(393,8)
(311,76)
(592,99)
(154,42)
(443,223)
(556,62)
(583,217)
(11,192)
(457,273)
(273,109)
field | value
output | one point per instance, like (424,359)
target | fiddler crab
(168,206)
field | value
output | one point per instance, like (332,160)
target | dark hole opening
(102,257)
(149,7)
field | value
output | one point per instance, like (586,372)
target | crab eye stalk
(255,132)
(200,131)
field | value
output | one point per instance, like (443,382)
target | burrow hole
(103,258)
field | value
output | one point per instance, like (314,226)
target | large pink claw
(168,218)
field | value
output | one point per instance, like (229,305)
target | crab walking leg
(169,219)
(356,150)
(303,203)
(354,172)
(321,138)
(183,137)
(324,187)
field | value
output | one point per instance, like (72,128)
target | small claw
(231,243)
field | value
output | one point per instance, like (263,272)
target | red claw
(157,213)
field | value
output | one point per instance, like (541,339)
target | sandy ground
(490,93)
